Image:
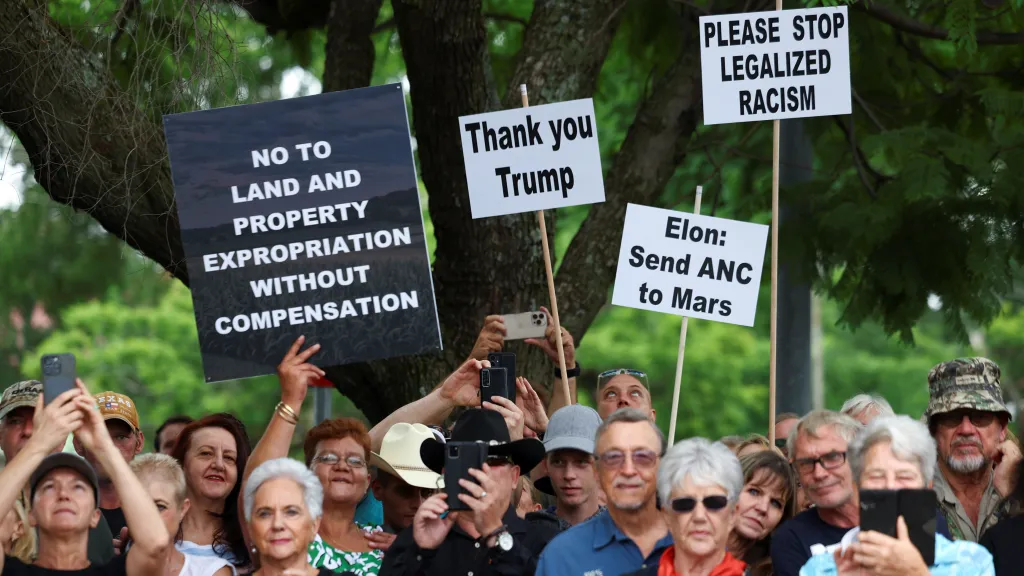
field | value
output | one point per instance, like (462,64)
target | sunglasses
(409,492)
(711,504)
(607,375)
(953,419)
(780,443)
(642,459)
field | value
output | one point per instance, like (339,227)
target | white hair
(312,491)
(863,402)
(908,439)
(705,463)
(844,426)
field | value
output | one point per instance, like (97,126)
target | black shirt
(460,554)
(792,541)
(115,519)
(1003,541)
(14,567)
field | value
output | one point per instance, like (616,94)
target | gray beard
(966,464)
(629,508)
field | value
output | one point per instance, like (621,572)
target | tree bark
(349,52)
(91,147)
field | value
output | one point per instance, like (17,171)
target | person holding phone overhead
(897,453)
(485,536)
(64,492)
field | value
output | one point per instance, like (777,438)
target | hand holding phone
(506,360)
(880,509)
(493,382)
(525,325)
(459,458)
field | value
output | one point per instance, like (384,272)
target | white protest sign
(775,65)
(528,159)
(689,265)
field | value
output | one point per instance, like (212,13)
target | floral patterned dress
(323,555)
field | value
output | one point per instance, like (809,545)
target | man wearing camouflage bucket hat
(976,461)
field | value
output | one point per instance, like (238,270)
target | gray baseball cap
(572,428)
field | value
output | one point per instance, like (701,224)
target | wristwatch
(569,373)
(504,541)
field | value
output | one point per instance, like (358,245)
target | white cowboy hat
(400,456)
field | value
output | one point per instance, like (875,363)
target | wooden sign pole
(551,283)
(682,347)
(775,273)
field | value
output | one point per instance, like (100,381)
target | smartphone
(525,325)
(506,360)
(879,510)
(459,457)
(919,509)
(58,375)
(493,382)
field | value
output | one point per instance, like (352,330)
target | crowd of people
(564,489)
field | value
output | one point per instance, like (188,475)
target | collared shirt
(960,526)
(462,555)
(596,547)
(951,559)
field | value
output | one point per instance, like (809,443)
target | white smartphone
(525,325)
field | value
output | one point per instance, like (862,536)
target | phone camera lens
(51,366)
(453,451)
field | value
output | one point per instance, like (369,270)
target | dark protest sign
(300,217)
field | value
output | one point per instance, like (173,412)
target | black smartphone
(459,457)
(58,375)
(506,360)
(919,509)
(493,383)
(879,510)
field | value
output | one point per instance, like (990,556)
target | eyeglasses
(642,459)
(686,504)
(829,461)
(607,375)
(953,419)
(780,443)
(497,461)
(332,460)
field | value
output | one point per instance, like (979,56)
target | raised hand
(380,540)
(1007,458)
(510,412)
(487,501)
(550,344)
(429,529)
(883,555)
(462,387)
(93,432)
(491,338)
(534,414)
(296,374)
(54,421)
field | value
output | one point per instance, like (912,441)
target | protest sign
(775,65)
(302,217)
(690,265)
(528,159)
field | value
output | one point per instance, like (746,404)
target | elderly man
(122,421)
(489,538)
(976,460)
(817,447)
(17,407)
(866,407)
(572,477)
(632,533)
(402,481)
(895,453)
(623,388)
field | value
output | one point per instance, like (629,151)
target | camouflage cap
(965,383)
(20,395)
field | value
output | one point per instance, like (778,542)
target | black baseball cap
(65,460)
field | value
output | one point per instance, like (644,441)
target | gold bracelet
(286,413)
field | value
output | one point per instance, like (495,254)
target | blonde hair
(24,548)
(161,468)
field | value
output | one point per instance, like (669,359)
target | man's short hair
(177,419)
(844,426)
(629,415)
(786,416)
(864,402)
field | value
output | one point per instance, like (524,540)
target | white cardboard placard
(775,65)
(688,265)
(534,158)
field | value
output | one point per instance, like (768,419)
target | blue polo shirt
(596,548)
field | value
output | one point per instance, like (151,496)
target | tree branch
(90,146)
(654,146)
(349,52)
(917,28)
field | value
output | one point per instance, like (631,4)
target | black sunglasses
(687,504)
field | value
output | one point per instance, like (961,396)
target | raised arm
(460,388)
(51,425)
(550,347)
(150,540)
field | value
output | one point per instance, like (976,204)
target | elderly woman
(283,506)
(213,452)
(767,500)
(164,480)
(892,453)
(336,451)
(699,483)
